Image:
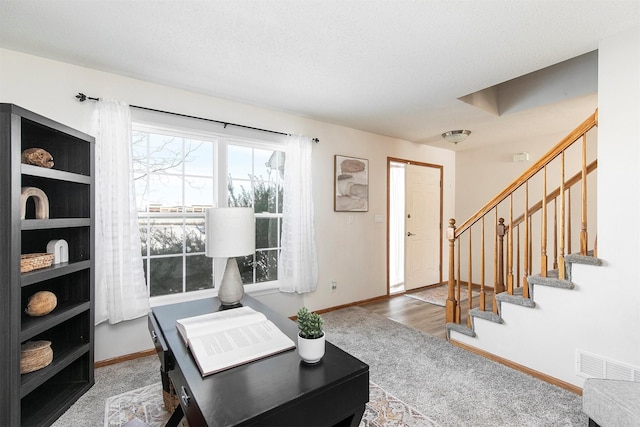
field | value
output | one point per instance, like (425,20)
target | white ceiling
(391,67)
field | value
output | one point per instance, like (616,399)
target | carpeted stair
(550,280)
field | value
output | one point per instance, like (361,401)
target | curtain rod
(82,97)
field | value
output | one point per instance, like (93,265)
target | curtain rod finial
(82,97)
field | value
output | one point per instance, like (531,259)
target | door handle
(409,234)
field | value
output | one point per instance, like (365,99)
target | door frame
(415,163)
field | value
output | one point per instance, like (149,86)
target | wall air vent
(589,365)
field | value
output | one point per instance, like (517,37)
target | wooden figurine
(41,303)
(41,201)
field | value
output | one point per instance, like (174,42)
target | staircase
(518,251)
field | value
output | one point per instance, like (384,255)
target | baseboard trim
(352,304)
(536,374)
(384,297)
(124,358)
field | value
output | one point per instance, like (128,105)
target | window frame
(220,141)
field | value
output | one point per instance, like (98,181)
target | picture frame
(351,184)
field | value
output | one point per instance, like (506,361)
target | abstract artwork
(351,184)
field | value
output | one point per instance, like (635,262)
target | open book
(229,338)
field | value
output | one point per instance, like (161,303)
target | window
(177,176)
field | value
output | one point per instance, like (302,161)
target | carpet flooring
(446,384)
(145,406)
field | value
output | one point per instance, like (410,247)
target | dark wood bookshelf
(41,396)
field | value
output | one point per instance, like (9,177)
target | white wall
(482,173)
(354,254)
(619,196)
(602,314)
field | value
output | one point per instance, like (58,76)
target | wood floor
(429,318)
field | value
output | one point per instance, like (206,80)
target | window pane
(165,193)
(265,197)
(261,165)
(266,266)
(195,235)
(143,236)
(280,198)
(239,161)
(142,194)
(239,193)
(198,157)
(276,165)
(166,236)
(198,193)
(266,233)
(199,272)
(166,276)
(139,144)
(165,154)
(245,265)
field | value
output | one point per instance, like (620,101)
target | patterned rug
(144,406)
(438,295)
(384,409)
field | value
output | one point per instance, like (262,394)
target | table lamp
(230,233)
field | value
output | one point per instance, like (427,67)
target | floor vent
(591,365)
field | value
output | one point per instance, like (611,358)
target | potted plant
(311,337)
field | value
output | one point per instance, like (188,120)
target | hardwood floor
(429,318)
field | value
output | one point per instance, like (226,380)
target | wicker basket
(170,398)
(35,355)
(29,262)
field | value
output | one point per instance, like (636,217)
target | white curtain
(298,265)
(121,292)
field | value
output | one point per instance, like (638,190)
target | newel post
(500,231)
(451,300)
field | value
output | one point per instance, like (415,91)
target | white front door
(422,226)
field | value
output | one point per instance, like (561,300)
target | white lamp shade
(230,232)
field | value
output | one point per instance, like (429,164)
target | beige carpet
(144,406)
(438,295)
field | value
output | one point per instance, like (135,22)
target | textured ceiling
(391,67)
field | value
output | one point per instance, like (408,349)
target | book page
(191,327)
(222,342)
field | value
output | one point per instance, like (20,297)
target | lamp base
(231,287)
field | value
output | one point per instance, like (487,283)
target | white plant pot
(311,350)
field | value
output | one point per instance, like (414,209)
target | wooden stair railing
(519,245)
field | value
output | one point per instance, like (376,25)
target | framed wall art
(351,184)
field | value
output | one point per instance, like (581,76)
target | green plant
(309,324)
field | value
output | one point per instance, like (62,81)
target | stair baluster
(525,245)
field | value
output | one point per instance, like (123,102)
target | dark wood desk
(280,390)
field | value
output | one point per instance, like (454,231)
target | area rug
(384,409)
(438,295)
(451,386)
(145,405)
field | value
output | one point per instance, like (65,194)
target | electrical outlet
(334,285)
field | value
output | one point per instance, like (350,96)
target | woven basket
(170,398)
(35,355)
(29,262)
